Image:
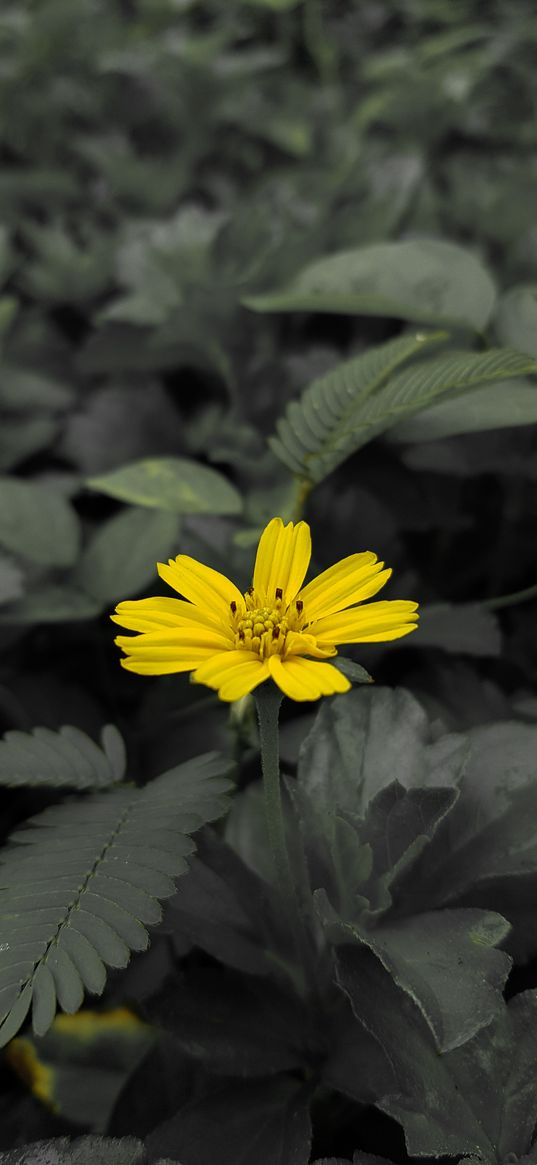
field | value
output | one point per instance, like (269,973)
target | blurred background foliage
(167,165)
(164,161)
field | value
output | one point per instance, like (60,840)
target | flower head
(279,629)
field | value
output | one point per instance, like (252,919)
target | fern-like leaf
(64,759)
(313,428)
(341,412)
(81,881)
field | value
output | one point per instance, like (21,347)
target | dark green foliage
(268,257)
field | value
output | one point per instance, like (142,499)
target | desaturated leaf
(102,866)
(425,280)
(118,423)
(224,907)
(22,388)
(261,1122)
(120,557)
(506,405)
(80,1066)
(171,483)
(67,758)
(50,603)
(438,1119)
(490,834)
(81,1151)
(11,580)
(235,1025)
(37,523)
(516,318)
(360,743)
(460,628)
(445,961)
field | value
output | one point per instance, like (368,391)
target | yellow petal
(225,669)
(177,640)
(370,624)
(301,643)
(155,614)
(205,587)
(145,665)
(242,680)
(304,679)
(352,580)
(282,560)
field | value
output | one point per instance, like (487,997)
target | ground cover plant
(269,272)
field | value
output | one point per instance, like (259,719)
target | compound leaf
(86,876)
(67,758)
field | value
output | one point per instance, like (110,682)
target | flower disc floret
(279,630)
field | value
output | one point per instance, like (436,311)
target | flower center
(264,629)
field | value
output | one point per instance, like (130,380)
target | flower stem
(268,700)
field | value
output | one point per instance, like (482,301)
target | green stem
(510,600)
(268,701)
(303,488)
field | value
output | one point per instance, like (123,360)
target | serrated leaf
(171,483)
(37,523)
(315,433)
(506,405)
(114,842)
(64,759)
(425,280)
(120,558)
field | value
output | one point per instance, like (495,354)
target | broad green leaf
(462,628)
(64,759)
(490,835)
(230,1025)
(120,557)
(317,432)
(21,438)
(171,483)
(52,603)
(359,743)
(353,671)
(438,1119)
(86,876)
(516,318)
(424,280)
(217,907)
(37,523)
(264,1122)
(445,961)
(11,580)
(479,1099)
(506,405)
(23,388)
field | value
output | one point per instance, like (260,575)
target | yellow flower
(278,630)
